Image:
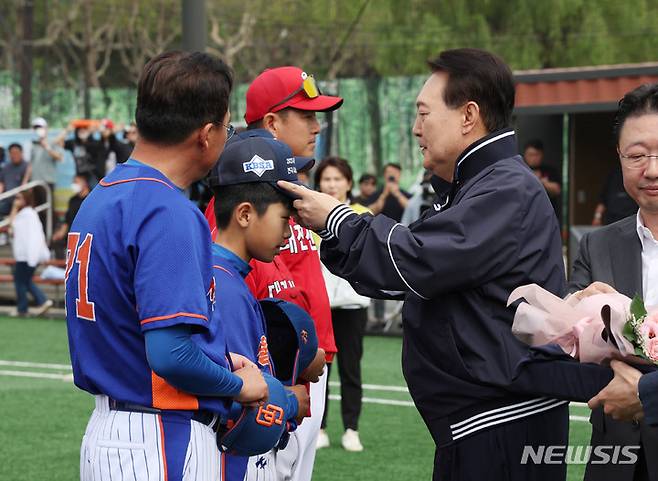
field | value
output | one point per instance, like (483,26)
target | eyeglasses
(639,161)
(309,87)
(230,130)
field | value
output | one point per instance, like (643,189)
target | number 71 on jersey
(80,253)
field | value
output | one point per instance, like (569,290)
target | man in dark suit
(624,256)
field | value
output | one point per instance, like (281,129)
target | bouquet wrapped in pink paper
(594,329)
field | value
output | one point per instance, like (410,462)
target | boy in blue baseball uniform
(140,288)
(252,223)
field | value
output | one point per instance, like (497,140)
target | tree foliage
(83,43)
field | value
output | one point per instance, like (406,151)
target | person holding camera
(390,200)
(44,154)
(44,158)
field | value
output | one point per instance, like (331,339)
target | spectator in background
(390,200)
(2,155)
(125,148)
(349,315)
(87,152)
(421,200)
(44,161)
(110,148)
(367,187)
(614,202)
(16,172)
(533,154)
(81,189)
(30,249)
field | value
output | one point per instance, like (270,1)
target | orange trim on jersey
(222,472)
(225,270)
(162,440)
(117,182)
(171,316)
(166,396)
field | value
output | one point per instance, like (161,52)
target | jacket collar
(482,153)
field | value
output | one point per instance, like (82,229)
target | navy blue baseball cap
(256,430)
(292,339)
(256,159)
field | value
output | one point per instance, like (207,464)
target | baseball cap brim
(321,103)
(304,163)
(285,192)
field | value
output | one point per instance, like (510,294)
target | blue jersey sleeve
(176,358)
(173,268)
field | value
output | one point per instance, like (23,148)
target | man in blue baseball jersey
(140,289)
(252,223)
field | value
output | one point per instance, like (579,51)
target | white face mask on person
(76,188)
(40,133)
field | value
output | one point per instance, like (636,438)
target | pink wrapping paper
(575,325)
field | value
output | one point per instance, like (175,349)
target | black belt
(207,418)
(202,416)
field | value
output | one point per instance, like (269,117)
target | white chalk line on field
(376,387)
(35,364)
(42,375)
(371,400)
(335,397)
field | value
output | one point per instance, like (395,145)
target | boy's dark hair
(15,146)
(481,77)
(260,194)
(642,100)
(178,92)
(535,144)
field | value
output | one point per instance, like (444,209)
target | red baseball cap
(108,124)
(281,87)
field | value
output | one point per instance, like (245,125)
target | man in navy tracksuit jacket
(483,394)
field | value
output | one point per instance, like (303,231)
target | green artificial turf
(42,420)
